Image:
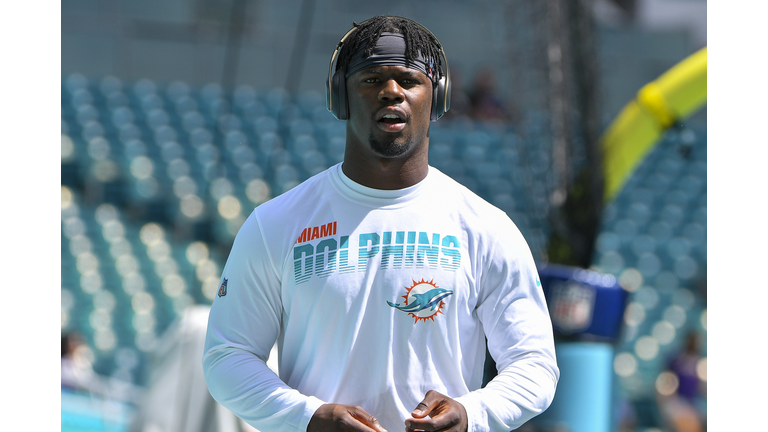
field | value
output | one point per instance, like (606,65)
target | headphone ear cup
(441,98)
(338,95)
(329,97)
(446,104)
(435,113)
(333,94)
(342,92)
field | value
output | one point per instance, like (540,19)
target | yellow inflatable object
(673,96)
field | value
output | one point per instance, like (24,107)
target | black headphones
(336,86)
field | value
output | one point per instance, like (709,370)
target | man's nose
(391,91)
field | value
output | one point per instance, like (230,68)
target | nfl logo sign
(223,288)
(572,306)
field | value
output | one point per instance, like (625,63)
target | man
(381,278)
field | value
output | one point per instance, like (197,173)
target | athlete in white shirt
(381,278)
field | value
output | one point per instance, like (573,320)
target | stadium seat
(177,89)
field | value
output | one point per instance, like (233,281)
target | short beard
(389,149)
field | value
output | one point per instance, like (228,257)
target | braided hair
(417,39)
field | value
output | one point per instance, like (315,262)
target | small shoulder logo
(223,288)
(423,300)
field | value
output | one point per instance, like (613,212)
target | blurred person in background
(680,409)
(380,279)
(76,371)
(77,374)
(486,104)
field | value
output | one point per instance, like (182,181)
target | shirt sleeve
(516,321)
(243,326)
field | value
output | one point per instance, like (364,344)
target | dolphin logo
(430,299)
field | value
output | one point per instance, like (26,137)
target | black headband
(389,51)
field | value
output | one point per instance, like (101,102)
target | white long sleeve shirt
(374,298)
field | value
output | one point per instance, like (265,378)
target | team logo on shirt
(223,288)
(423,300)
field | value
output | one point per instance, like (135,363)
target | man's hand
(445,414)
(343,418)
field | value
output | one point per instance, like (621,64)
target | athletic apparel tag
(223,288)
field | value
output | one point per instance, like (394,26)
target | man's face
(389,109)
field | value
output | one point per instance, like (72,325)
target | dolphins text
(388,250)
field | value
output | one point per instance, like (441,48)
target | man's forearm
(244,384)
(518,393)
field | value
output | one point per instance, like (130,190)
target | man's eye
(411,81)
(371,80)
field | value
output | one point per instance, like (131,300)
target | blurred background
(179,117)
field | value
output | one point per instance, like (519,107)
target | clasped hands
(437,412)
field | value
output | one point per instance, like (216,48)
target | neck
(387,173)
